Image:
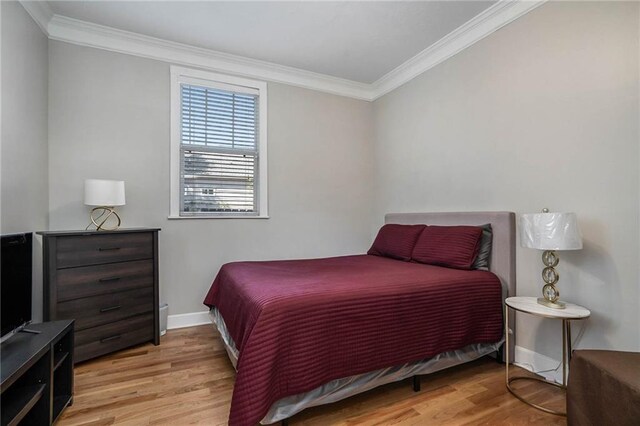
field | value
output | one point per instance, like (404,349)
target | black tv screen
(16,281)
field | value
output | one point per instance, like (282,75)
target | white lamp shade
(100,192)
(550,231)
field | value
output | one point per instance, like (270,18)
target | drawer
(74,283)
(118,335)
(82,250)
(98,310)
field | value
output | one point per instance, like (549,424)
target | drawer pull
(108,248)
(111,308)
(108,339)
(104,280)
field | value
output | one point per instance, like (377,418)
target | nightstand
(529,305)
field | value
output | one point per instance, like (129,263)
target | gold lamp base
(549,304)
(100,221)
(551,295)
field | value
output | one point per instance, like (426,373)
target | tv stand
(37,374)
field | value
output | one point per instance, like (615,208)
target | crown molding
(40,12)
(88,34)
(492,19)
(98,36)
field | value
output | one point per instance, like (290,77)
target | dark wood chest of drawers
(108,282)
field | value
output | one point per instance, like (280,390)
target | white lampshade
(550,231)
(100,192)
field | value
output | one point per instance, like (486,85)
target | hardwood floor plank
(188,379)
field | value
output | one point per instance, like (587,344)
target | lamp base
(550,304)
(100,222)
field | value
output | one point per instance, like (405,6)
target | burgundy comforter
(300,323)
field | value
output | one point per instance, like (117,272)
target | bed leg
(500,354)
(284,422)
(416,383)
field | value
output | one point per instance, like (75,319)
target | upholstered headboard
(503,251)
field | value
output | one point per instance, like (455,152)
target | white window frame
(225,82)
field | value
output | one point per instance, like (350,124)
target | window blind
(218,150)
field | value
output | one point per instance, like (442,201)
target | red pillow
(450,246)
(396,241)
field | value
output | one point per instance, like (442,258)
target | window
(218,145)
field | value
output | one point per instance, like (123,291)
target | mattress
(300,324)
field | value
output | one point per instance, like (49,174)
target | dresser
(108,282)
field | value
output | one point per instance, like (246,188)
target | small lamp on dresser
(550,232)
(104,195)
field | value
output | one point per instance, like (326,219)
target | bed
(308,332)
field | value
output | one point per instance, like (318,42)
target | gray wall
(24,200)
(542,113)
(109,118)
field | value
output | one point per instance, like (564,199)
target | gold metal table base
(523,399)
(566,357)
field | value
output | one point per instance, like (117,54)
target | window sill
(174,217)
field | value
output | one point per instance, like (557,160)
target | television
(15,287)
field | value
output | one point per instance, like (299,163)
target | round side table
(529,305)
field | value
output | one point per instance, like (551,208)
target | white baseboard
(533,361)
(188,320)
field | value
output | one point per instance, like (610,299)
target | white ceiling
(359,41)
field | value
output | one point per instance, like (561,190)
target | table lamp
(105,195)
(550,232)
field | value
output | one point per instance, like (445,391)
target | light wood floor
(188,380)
